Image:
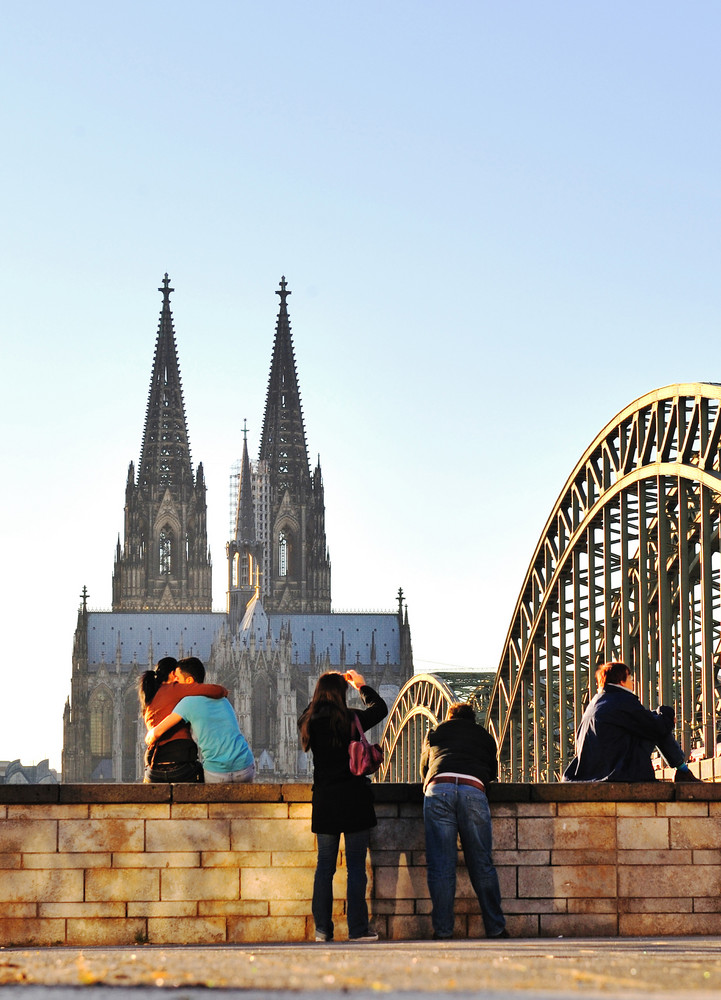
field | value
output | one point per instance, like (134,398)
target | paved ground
(629,968)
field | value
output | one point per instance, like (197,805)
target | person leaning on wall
(617,734)
(459,758)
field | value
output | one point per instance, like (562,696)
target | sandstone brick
(521,857)
(12,860)
(129,810)
(177,908)
(592,905)
(47,812)
(588,809)
(636,809)
(407,928)
(66,860)
(504,834)
(248,811)
(696,832)
(187,835)
(267,834)
(189,810)
(567,881)
(643,833)
(655,857)
(406,883)
(289,907)
(668,904)
(198,883)
(708,904)
(300,810)
(277,883)
(391,906)
(156,859)
(88,933)
(399,835)
(97,835)
(682,808)
(703,857)
(255,929)
(662,924)
(24,933)
(524,926)
(293,859)
(41,886)
(122,884)
(650,881)
(575,925)
(28,835)
(587,857)
(236,859)
(85,910)
(535,809)
(410,810)
(508,881)
(186,930)
(568,832)
(19,910)
(534,906)
(234,907)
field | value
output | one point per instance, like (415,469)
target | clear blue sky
(500,225)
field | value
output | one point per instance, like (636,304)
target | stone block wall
(192,864)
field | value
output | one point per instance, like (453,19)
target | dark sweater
(462,747)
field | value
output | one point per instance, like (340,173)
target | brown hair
(461,710)
(612,673)
(330,696)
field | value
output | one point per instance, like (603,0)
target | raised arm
(168,722)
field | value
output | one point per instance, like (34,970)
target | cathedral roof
(143,636)
(255,621)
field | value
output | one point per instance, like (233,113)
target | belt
(447,779)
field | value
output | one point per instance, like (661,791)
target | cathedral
(277,634)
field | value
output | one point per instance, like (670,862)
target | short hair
(461,710)
(191,666)
(612,673)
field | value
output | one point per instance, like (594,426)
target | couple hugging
(174,700)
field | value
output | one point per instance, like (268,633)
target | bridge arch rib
(628,567)
(421,703)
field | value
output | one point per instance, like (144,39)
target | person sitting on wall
(458,759)
(174,758)
(617,734)
(225,751)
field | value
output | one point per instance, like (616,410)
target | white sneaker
(322,936)
(364,938)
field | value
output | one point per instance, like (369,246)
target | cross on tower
(284,292)
(166,289)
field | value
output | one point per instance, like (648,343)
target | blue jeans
(450,810)
(356,848)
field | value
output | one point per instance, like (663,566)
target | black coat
(342,802)
(462,747)
(616,737)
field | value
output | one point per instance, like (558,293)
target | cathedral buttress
(297,577)
(164,563)
(245,550)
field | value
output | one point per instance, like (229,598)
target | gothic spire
(245,514)
(283,443)
(165,454)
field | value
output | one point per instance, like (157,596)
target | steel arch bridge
(421,703)
(628,567)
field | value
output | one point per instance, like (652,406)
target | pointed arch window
(236,570)
(165,551)
(282,554)
(101,724)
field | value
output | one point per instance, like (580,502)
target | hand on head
(354,678)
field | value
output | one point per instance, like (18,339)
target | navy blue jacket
(616,738)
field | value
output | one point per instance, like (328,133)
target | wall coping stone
(581,791)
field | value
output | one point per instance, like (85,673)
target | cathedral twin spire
(279,546)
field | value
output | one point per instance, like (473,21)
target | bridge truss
(421,703)
(628,567)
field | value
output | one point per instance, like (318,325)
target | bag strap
(359,728)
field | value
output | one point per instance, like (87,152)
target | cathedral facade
(278,633)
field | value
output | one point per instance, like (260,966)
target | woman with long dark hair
(342,802)
(175,756)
